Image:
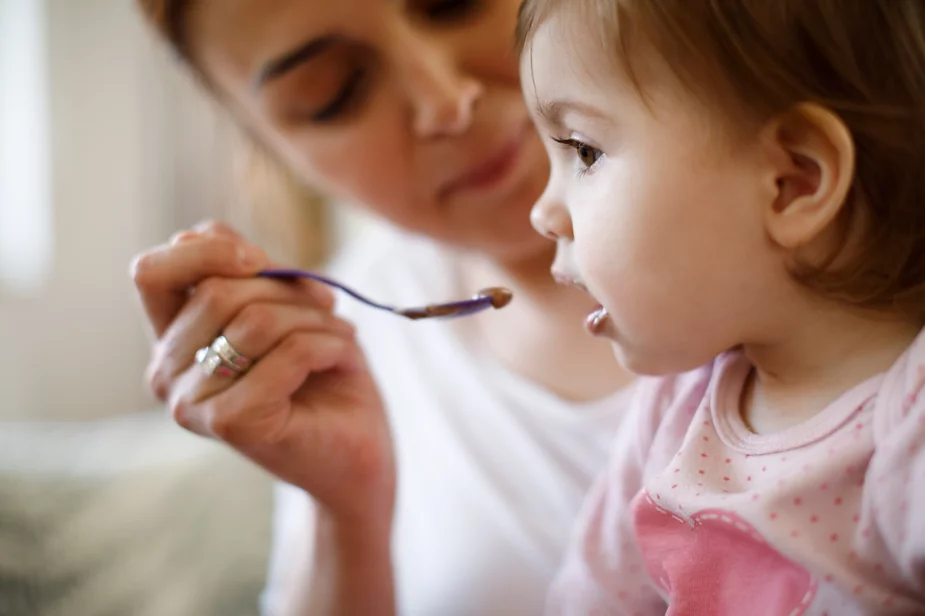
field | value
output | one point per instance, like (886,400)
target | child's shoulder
(663,406)
(899,400)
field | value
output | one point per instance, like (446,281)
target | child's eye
(587,155)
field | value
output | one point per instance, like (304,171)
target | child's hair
(862,59)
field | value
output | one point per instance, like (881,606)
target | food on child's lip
(594,324)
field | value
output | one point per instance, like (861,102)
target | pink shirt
(697,515)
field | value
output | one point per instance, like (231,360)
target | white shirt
(492,469)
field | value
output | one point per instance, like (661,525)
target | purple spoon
(492,297)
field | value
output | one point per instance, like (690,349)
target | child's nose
(551,219)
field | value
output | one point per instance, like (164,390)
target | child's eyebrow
(552,112)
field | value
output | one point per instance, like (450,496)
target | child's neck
(817,358)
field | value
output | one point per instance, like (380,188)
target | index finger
(164,275)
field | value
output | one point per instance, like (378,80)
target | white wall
(134,155)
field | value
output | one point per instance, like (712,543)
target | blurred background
(106,148)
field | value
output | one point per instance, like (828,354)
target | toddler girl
(740,185)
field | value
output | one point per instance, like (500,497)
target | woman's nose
(443,99)
(447,111)
(551,219)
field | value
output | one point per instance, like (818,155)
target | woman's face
(411,107)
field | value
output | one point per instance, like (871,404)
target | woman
(493,425)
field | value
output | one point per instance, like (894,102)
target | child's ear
(813,158)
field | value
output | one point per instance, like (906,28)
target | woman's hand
(307,410)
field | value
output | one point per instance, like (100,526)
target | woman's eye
(448,10)
(343,100)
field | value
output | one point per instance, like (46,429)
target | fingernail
(251,256)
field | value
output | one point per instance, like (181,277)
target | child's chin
(634,362)
(641,363)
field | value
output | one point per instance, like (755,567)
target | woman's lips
(492,170)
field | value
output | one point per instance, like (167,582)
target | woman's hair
(862,59)
(279,207)
(168,17)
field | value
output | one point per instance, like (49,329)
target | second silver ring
(235,360)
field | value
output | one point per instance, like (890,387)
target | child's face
(660,214)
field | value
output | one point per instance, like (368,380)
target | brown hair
(278,207)
(168,17)
(862,59)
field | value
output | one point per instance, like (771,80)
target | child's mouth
(596,321)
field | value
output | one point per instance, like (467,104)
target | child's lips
(569,281)
(596,322)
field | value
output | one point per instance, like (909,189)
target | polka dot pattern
(830,511)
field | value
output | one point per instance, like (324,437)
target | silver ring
(216,359)
(231,357)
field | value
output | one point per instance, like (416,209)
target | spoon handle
(289,274)
(494,297)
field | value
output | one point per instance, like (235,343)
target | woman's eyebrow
(289,61)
